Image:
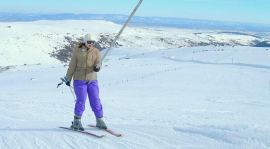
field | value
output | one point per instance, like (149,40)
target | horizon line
(169,17)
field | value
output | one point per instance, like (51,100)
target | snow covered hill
(214,97)
(30,42)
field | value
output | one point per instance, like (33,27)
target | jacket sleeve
(98,62)
(72,65)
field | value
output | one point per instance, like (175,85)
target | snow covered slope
(155,93)
(190,98)
(30,42)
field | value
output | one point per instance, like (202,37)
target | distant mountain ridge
(140,21)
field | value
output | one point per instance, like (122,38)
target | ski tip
(108,130)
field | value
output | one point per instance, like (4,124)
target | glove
(65,79)
(96,68)
(68,83)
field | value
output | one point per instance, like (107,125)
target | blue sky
(254,11)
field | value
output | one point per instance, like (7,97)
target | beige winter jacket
(82,64)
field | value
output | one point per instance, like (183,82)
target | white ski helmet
(87,37)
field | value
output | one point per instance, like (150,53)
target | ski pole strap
(59,84)
(63,80)
(120,32)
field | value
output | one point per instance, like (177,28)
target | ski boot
(76,124)
(101,124)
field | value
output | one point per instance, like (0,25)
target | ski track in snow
(226,135)
(142,77)
(232,64)
(210,133)
(154,139)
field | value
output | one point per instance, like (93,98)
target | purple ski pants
(82,88)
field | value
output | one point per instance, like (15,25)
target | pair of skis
(93,134)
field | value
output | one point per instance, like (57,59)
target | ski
(84,132)
(108,131)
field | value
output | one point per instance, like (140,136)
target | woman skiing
(83,67)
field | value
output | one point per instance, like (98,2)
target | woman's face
(89,44)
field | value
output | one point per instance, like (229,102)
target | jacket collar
(85,49)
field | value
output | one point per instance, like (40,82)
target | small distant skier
(83,67)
